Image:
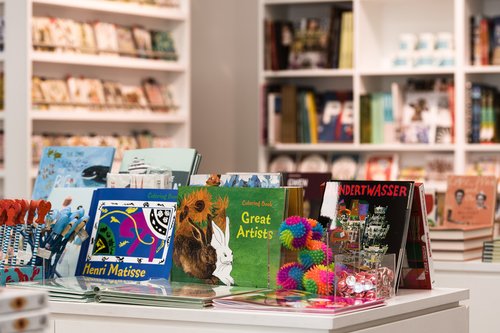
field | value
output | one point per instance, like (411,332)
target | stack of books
(459,244)
(491,251)
(23,310)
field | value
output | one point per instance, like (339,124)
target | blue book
(130,233)
(72,167)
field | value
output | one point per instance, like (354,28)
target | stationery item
(130,234)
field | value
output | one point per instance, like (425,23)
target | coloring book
(130,234)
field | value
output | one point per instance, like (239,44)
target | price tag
(83,235)
(43,253)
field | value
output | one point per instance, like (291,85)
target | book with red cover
(417,268)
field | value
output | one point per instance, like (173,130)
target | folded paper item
(129,180)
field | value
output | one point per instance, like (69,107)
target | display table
(482,279)
(412,311)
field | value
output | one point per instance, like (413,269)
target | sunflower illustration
(186,208)
(220,211)
(202,206)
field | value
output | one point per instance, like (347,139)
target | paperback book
(161,292)
(311,183)
(130,234)
(183,162)
(295,300)
(72,167)
(228,235)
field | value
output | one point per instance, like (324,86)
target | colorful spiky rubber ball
(290,276)
(319,280)
(295,232)
(315,253)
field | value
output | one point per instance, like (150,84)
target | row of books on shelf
(484,40)
(52,34)
(94,94)
(160,3)
(303,115)
(422,111)
(373,166)
(310,42)
(136,140)
(482,113)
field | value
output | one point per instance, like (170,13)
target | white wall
(224,84)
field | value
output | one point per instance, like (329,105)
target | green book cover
(228,235)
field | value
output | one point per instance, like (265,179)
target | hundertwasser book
(228,235)
(130,234)
(370,218)
(72,167)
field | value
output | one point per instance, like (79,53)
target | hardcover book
(130,234)
(228,235)
(72,167)
(182,161)
(311,183)
(370,218)
(470,202)
(418,266)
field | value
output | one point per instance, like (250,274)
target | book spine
(400,257)
(484,41)
(365,122)
(476,113)
(468,111)
(289,114)
(426,246)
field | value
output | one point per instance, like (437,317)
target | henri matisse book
(228,235)
(182,161)
(369,218)
(130,234)
(72,167)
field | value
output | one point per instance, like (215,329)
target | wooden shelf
(352,148)
(116,7)
(106,61)
(309,73)
(407,71)
(107,116)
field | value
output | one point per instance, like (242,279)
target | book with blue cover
(130,234)
(72,167)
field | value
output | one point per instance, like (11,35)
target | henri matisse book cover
(72,167)
(228,235)
(130,234)
(370,218)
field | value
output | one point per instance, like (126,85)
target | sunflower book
(130,234)
(229,235)
(368,218)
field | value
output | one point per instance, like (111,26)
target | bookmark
(20,256)
(12,214)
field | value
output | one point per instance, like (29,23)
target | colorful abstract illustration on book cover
(132,232)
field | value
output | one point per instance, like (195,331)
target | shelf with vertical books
(93,63)
(391,79)
(309,73)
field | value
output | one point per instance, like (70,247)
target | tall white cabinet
(377,26)
(22,62)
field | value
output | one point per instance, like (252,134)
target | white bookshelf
(21,120)
(377,25)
